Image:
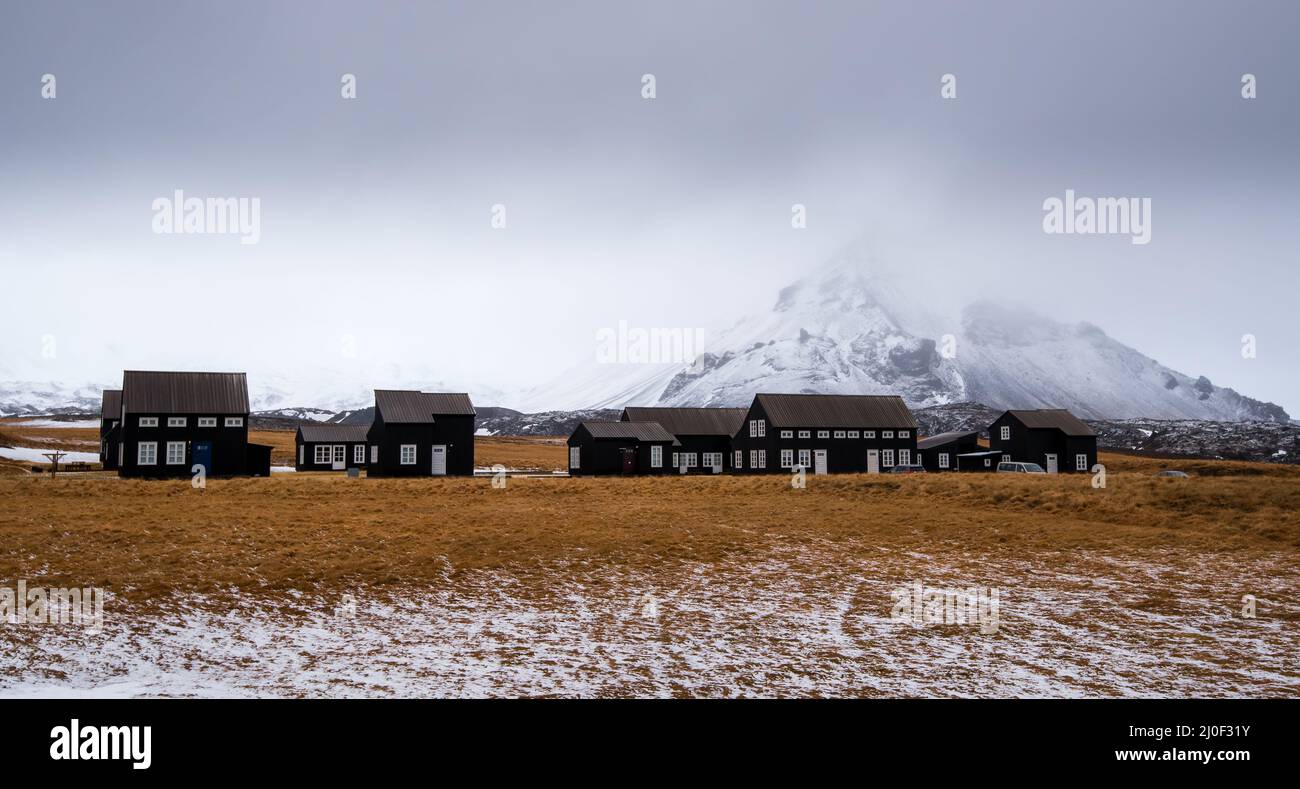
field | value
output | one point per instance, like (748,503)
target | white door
(717,462)
(340,457)
(439,460)
(819,461)
(873,461)
(1051,464)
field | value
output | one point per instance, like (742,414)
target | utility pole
(54,457)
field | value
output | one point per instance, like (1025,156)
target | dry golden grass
(545,453)
(145,539)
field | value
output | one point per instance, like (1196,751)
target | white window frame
(841,434)
(1081,461)
(886,434)
(374,454)
(657,456)
(787,434)
(575,457)
(711,459)
(903,434)
(148,421)
(753,428)
(691,459)
(402,456)
(176,421)
(234,421)
(321,454)
(823,434)
(677,460)
(762,458)
(1005,432)
(753,458)
(207,421)
(805,458)
(340,454)
(887,458)
(302,453)
(359,454)
(1006,459)
(868,434)
(854,434)
(762,428)
(904,457)
(787,458)
(805,434)
(739,459)
(140,453)
(944,460)
(173,445)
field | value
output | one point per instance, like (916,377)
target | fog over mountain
(851,329)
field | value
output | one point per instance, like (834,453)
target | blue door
(202,456)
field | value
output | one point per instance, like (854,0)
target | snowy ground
(798,623)
(30,455)
(84,424)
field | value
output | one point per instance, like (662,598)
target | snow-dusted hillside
(847,330)
(20,398)
(1017,359)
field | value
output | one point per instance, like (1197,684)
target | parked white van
(1020,468)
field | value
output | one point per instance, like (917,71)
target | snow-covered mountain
(19,398)
(848,330)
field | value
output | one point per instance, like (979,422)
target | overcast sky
(671,212)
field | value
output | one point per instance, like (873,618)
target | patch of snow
(30,455)
(84,423)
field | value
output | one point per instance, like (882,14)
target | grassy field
(1134,589)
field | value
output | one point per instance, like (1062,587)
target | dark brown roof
(637,431)
(939,439)
(333,433)
(111,408)
(404,405)
(823,410)
(1053,419)
(690,421)
(150,392)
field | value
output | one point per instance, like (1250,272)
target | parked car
(909,468)
(1020,468)
(1171,472)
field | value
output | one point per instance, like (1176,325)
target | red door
(629,460)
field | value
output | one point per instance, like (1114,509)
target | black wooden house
(331,447)
(110,429)
(421,434)
(940,452)
(1051,437)
(824,434)
(703,434)
(173,421)
(620,448)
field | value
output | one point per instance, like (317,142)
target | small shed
(620,448)
(983,460)
(257,460)
(939,452)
